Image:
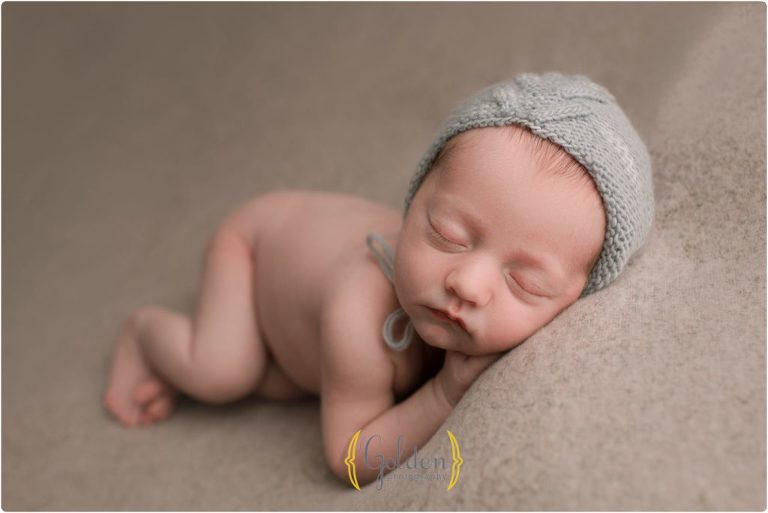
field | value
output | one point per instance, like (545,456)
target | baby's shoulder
(358,298)
(353,311)
(353,316)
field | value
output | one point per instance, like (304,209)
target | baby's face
(494,245)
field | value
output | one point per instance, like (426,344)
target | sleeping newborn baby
(535,193)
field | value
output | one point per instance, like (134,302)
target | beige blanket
(130,130)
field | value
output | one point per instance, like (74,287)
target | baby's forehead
(525,153)
(512,133)
(514,137)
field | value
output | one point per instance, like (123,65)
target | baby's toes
(148,391)
(125,412)
(159,409)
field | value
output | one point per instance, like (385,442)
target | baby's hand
(460,371)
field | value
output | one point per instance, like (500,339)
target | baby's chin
(433,341)
(437,336)
(444,339)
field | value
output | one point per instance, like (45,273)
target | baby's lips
(456,320)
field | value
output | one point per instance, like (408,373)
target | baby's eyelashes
(518,285)
(443,238)
(528,289)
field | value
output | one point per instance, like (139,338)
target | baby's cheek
(512,325)
(412,272)
(407,270)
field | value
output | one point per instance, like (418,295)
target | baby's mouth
(444,316)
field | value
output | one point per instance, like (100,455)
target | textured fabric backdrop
(131,130)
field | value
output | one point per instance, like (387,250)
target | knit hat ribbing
(586,121)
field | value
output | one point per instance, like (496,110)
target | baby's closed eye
(438,234)
(526,286)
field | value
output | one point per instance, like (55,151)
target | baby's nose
(470,284)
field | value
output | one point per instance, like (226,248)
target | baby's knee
(158,319)
(226,243)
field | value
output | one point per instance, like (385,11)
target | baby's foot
(135,395)
(155,399)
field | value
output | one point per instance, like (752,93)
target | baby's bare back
(299,254)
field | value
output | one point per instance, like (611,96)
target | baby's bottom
(216,357)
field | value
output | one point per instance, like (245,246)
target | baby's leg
(219,357)
(216,357)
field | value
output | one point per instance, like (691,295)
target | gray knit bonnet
(585,120)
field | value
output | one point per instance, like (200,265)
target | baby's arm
(359,397)
(357,392)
